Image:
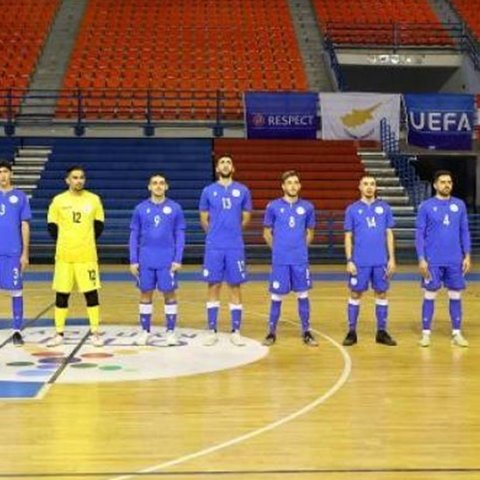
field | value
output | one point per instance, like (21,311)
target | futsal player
(289,225)
(15,216)
(225,209)
(157,240)
(75,222)
(370,255)
(443,248)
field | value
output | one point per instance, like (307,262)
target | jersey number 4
(446,220)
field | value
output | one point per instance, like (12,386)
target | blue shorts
(10,273)
(290,278)
(157,278)
(222,265)
(451,277)
(377,276)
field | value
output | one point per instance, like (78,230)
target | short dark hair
(5,164)
(158,174)
(367,175)
(223,155)
(288,174)
(440,173)
(72,168)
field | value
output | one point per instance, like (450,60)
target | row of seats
(410,22)
(23,30)
(185,45)
(470,12)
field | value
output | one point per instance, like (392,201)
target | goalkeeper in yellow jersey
(75,221)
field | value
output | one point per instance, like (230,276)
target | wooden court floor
(367,412)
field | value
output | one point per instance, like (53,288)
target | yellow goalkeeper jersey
(75,216)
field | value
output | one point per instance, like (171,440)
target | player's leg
(235,276)
(430,290)
(301,283)
(146,284)
(279,285)
(455,283)
(357,284)
(213,272)
(63,281)
(87,277)
(380,285)
(167,284)
(11,281)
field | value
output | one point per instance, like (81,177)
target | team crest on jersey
(235,192)
(215,194)
(300,210)
(453,207)
(378,210)
(167,210)
(282,210)
(87,209)
(360,211)
(435,209)
(13,199)
(276,285)
(205,272)
(148,210)
(353,281)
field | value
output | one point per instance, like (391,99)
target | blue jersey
(225,205)
(289,223)
(369,223)
(14,209)
(442,235)
(157,234)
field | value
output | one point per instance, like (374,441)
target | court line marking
(342,379)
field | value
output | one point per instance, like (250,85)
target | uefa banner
(440,121)
(357,116)
(281,115)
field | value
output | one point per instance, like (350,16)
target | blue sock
(146,310)
(212,314)
(17,312)
(353,311)
(236,311)
(171,316)
(455,309)
(275,310)
(303,305)
(381,313)
(428,308)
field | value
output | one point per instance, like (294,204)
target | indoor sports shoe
(309,339)
(55,341)
(96,339)
(384,338)
(17,339)
(424,340)
(270,339)
(142,338)
(237,339)
(459,340)
(350,339)
(210,339)
(171,338)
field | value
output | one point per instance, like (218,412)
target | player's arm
(310,223)
(310,233)
(348,246)
(134,243)
(204,220)
(246,208)
(52,220)
(24,258)
(268,236)
(465,241)
(180,228)
(391,264)
(420,231)
(99,221)
(246,217)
